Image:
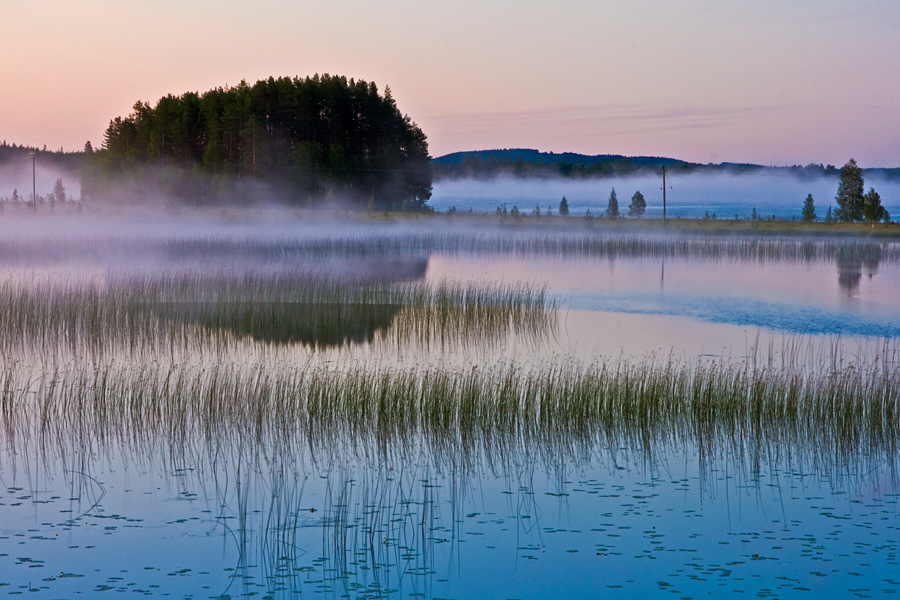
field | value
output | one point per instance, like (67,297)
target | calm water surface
(84,513)
(693,307)
(612,524)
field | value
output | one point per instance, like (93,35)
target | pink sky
(708,81)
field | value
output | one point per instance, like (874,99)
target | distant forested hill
(523,162)
(308,138)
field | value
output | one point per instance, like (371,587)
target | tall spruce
(849,196)
(808,214)
(612,207)
(638,205)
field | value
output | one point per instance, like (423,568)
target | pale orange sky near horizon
(707,81)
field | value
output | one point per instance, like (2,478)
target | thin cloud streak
(619,112)
(618,118)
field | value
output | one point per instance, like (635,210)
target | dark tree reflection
(854,261)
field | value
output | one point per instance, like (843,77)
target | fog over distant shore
(706,191)
(690,195)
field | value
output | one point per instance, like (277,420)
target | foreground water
(191,494)
(614,524)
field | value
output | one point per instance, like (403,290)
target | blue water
(613,524)
(700,302)
(741,311)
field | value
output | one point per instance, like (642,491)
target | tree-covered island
(303,140)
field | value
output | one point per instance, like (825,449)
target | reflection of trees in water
(322,311)
(315,323)
(370,269)
(854,261)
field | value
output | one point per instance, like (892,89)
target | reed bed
(384,241)
(577,244)
(143,313)
(461,417)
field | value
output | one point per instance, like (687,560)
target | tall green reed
(465,416)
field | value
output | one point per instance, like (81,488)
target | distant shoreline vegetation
(299,141)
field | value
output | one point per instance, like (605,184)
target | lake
(402,409)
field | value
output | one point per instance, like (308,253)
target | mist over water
(687,196)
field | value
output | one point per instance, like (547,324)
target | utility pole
(664,195)
(33,183)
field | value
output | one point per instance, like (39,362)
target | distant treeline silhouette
(58,159)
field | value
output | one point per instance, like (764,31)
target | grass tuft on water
(464,415)
(197,311)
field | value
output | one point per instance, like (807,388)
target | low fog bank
(274,226)
(111,245)
(688,196)
(270,223)
(16,176)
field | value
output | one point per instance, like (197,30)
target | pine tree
(849,196)
(638,205)
(59,192)
(872,209)
(612,209)
(808,214)
(564,207)
(828,218)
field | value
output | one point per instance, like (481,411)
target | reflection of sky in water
(744,312)
(801,298)
(698,307)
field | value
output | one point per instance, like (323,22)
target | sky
(767,82)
